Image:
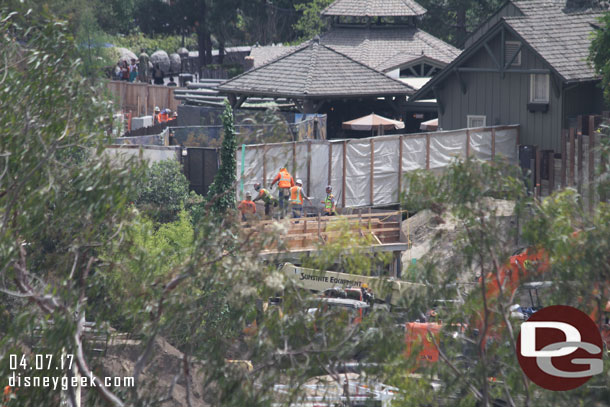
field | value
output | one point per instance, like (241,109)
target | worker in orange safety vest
(247,207)
(284,182)
(296,199)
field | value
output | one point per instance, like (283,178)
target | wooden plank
(330,163)
(579,162)
(493,143)
(309,168)
(538,167)
(427,151)
(372,172)
(294,157)
(572,156)
(591,162)
(264,165)
(343,180)
(399,168)
(467,143)
(564,157)
(551,169)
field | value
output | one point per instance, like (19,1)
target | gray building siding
(501,100)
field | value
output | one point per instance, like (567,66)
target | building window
(475,121)
(539,88)
(510,47)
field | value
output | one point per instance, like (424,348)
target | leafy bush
(153,253)
(163,191)
(137,41)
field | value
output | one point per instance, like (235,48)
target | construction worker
(157,115)
(247,207)
(266,196)
(330,206)
(284,182)
(296,199)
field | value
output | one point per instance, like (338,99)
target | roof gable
(374,8)
(314,70)
(385,48)
(560,38)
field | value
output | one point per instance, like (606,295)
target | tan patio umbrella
(373,122)
(429,125)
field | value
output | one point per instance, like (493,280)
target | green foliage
(311,23)
(599,53)
(153,252)
(221,194)
(135,41)
(163,191)
(453,20)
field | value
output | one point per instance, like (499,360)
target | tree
(453,20)
(164,190)
(311,23)
(599,53)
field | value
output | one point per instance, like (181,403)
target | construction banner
(386,289)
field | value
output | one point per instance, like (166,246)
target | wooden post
(551,169)
(147,99)
(294,157)
(330,163)
(319,235)
(467,143)
(580,160)
(139,105)
(427,151)
(493,143)
(572,155)
(564,157)
(372,172)
(538,167)
(370,210)
(591,162)
(399,167)
(264,147)
(309,167)
(344,172)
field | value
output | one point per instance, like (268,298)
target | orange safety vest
(247,206)
(285,178)
(296,195)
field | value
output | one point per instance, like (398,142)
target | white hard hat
(299,182)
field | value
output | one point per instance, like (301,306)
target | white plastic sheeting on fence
(373,166)
(151,154)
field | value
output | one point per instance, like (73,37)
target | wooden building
(527,65)
(317,78)
(382,35)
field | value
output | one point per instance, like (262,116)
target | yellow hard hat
(365,285)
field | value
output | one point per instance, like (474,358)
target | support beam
(492,56)
(512,70)
(502,52)
(372,172)
(240,101)
(513,57)
(344,173)
(399,167)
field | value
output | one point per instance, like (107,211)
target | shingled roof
(267,53)
(560,36)
(385,48)
(374,8)
(314,70)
